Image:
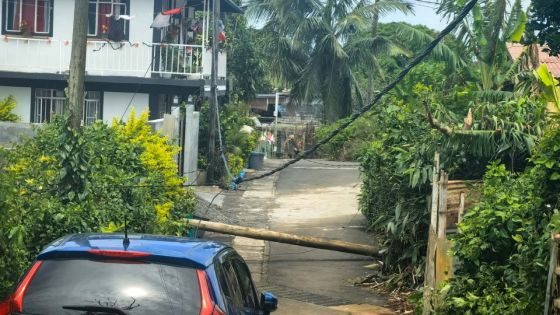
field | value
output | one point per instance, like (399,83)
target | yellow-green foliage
(6,107)
(157,154)
(235,163)
(67,181)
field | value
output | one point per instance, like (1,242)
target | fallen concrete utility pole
(267,235)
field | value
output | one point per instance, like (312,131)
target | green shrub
(238,145)
(503,244)
(397,166)
(396,174)
(6,107)
(66,181)
(350,143)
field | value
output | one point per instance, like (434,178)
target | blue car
(94,274)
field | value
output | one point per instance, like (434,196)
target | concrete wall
(114,104)
(23,100)
(11,132)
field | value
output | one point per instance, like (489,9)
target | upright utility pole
(213,158)
(78,63)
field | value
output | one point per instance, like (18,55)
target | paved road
(319,198)
(315,198)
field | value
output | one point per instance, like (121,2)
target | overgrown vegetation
(544,22)
(7,105)
(504,241)
(238,144)
(67,181)
(469,101)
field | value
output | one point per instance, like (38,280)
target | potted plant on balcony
(104,31)
(25,28)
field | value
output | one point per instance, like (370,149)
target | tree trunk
(78,63)
(267,235)
(374,27)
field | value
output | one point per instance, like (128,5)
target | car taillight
(5,307)
(207,307)
(118,253)
(15,302)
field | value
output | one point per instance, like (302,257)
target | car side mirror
(269,302)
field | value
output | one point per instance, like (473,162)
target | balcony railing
(104,58)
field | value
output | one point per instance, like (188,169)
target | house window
(103,15)
(92,107)
(27,17)
(50,102)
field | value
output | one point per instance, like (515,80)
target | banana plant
(549,85)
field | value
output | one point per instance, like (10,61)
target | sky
(424,14)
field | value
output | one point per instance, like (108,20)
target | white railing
(174,59)
(103,58)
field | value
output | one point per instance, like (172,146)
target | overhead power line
(416,61)
(427,2)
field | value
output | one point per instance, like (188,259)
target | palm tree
(314,49)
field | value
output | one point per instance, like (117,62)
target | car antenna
(126,240)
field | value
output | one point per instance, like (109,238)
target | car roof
(198,253)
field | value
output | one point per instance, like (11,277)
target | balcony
(39,55)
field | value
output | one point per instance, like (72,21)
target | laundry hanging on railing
(116,30)
(163,19)
(121,16)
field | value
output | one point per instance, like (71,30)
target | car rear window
(136,288)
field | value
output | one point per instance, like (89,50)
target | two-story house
(144,67)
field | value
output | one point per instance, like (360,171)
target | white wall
(63,19)
(39,54)
(143,10)
(114,105)
(23,100)
(140,30)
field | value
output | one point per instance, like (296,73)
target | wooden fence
(450,200)
(552,302)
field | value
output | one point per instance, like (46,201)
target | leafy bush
(396,174)
(238,145)
(67,181)
(350,143)
(503,244)
(6,107)
(397,165)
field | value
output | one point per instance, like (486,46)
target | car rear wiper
(95,309)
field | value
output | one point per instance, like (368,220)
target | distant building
(263,105)
(552,62)
(128,62)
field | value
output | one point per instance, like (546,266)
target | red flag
(173,11)
(221,37)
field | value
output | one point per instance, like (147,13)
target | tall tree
(246,70)
(313,48)
(544,24)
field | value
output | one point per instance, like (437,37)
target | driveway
(319,198)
